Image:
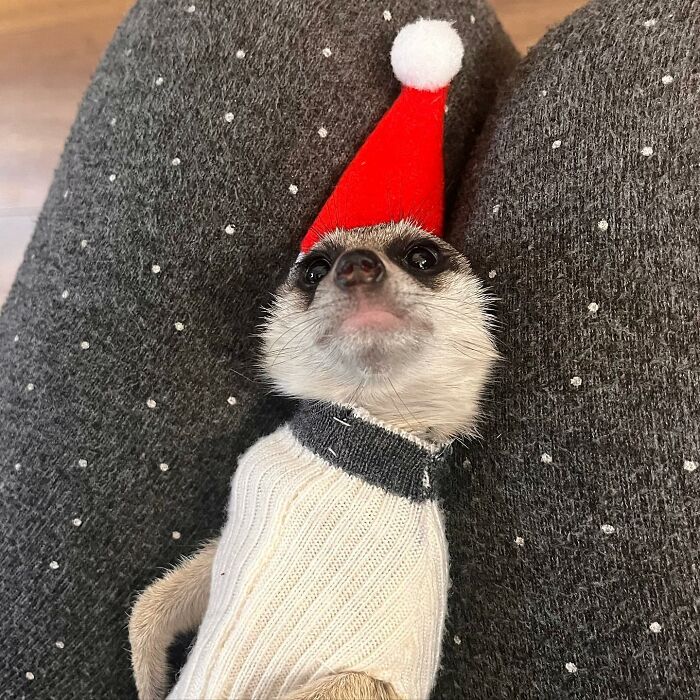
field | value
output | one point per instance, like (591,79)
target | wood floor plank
(526,21)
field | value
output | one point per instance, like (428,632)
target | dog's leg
(171,605)
(346,686)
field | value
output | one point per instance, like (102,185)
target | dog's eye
(422,257)
(316,270)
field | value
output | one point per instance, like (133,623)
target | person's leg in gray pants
(578,553)
(206,144)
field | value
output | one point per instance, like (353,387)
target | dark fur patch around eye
(326,249)
(305,293)
(449,259)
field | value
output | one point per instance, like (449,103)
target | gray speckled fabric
(579,524)
(193,169)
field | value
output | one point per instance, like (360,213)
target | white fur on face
(424,376)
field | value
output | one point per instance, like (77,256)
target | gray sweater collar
(383,457)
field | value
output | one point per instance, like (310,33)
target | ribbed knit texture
(319,571)
(578,527)
(207,143)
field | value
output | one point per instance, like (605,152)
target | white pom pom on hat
(427,54)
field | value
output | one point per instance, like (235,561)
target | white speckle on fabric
(151,403)
(603,225)
(53,565)
(228,117)
(64,294)
(179,326)
(159,80)
(556,144)
(176,535)
(155,268)
(492,274)
(84,243)
(112,177)
(387,15)
(175,161)
(323,132)
(84,345)
(82,463)
(689,465)
(59,644)
(607,529)
(593,308)
(546,458)
(29,676)
(472,19)
(231,401)
(667,79)
(576,382)
(327,52)
(293,189)
(655,627)
(650,23)
(163,467)
(30,387)
(647,151)
(519,541)
(240,54)
(76,522)
(570,667)
(191,9)
(230,229)
(458,640)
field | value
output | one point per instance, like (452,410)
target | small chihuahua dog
(330,578)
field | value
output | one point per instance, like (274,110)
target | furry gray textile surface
(579,527)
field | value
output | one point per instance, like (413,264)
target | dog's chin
(373,344)
(371,322)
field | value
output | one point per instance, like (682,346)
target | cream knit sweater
(333,558)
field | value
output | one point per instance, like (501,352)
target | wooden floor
(48,50)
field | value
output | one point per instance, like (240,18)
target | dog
(330,578)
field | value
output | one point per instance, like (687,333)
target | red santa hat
(398,172)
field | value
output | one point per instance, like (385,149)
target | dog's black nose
(357,267)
